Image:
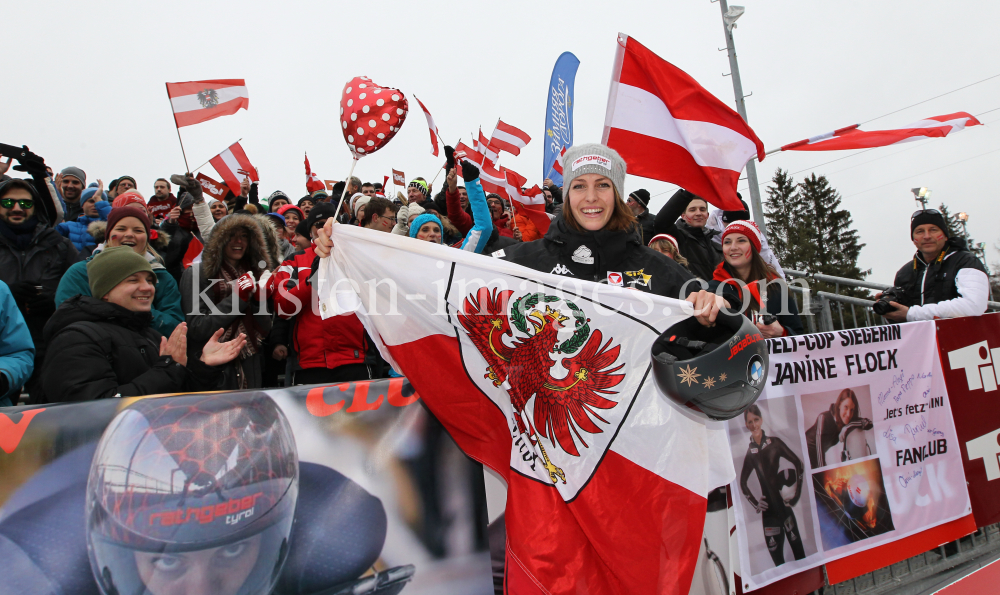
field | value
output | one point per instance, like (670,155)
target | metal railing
(818,306)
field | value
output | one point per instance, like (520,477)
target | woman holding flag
(594,238)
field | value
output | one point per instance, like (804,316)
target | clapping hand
(216,354)
(176,345)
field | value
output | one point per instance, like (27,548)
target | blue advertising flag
(559,113)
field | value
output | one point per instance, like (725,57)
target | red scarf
(721,274)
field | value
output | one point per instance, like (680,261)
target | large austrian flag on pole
(199,101)
(668,127)
(546,380)
(852,137)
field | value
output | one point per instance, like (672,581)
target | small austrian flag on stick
(508,138)
(199,101)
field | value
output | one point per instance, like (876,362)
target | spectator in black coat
(684,217)
(638,203)
(33,257)
(107,347)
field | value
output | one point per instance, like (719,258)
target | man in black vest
(944,280)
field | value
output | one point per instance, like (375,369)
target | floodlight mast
(729,16)
(921,194)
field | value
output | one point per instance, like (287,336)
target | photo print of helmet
(716,372)
(192,495)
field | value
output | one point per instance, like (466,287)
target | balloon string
(347,184)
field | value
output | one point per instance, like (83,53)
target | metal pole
(183,153)
(755,204)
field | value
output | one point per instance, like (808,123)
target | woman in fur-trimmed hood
(228,275)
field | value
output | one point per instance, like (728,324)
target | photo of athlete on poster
(763,456)
(842,430)
(851,503)
(771,483)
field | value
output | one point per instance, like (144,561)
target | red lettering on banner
(11,433)
(317,406)
(396,398)
(360,402)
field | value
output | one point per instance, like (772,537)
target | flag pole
(207,162)
(183,153)
(443,166)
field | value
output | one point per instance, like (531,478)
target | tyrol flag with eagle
(549,384)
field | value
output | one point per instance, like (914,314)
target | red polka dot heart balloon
(370,115)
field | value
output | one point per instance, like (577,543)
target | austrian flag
(508,138)
(199,101)
(548,384)
(233,165)
(432,126)
(668,127)
(852,137)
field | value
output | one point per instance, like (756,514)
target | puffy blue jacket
(17,352)
(77,232)
(482,221)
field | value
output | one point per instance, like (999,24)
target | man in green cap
(103,346)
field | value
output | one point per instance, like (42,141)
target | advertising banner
(970,356)
(350,488)
(852,445)
(559,113)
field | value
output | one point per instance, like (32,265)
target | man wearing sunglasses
(33,257)
(638,203)
(944,279)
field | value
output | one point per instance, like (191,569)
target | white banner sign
(852,445)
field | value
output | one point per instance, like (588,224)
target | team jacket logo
(638,278)
(615,279)
(583,255)
(564,409)
(560,269)
(208,98)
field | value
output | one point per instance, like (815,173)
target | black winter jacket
(646,221)
(924,284)
(42,263)
(596,255)
(105,350)
(497,242)
(695,243)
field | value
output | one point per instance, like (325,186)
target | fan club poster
(852,445)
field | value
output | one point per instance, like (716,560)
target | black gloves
(449,153)
(189,183)
(469,171)
(30,163)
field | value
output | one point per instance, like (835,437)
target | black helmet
(716,371)
(192,493)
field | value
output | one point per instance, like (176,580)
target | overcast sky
(85,87)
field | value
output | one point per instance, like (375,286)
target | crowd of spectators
(104,292)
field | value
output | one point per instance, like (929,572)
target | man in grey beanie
(71,183)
